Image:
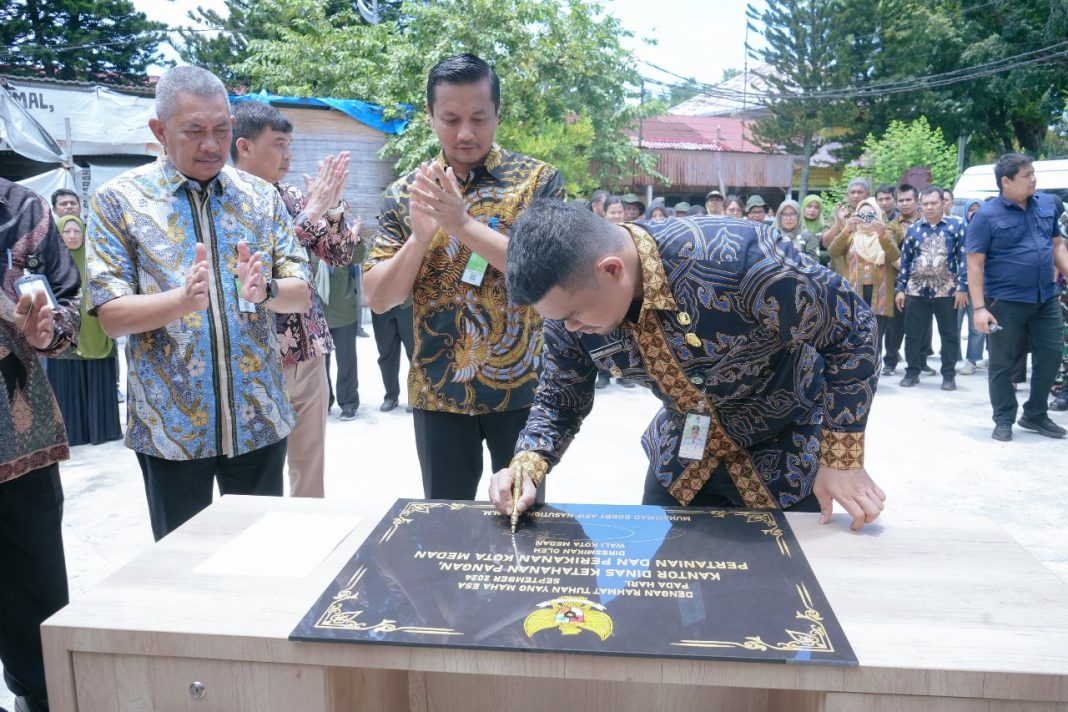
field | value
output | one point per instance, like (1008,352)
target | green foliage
(888,158)
(86,40)
(905,146)
(243,21)
(800,43)
(565,78)
(892,43)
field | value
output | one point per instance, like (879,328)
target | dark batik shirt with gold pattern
(734,324)
(475,352)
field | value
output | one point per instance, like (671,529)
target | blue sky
(695,38)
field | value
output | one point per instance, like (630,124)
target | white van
(977,183)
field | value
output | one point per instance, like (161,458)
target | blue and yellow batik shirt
(210,383)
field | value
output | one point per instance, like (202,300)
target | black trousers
(392,330)
(1037,328)
(918,312)
(347,392)
(35,574)
(449,446)
(179,489)
(719,491)
(895,335)
(883,324)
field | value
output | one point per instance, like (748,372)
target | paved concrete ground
(927,448)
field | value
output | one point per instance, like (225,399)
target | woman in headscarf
(85,379)
(871,258)
(812,219)
(788,222)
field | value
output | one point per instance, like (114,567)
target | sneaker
(1059,402)
(1002,432)
(909,381)
(967,369)
(889,370)
(1042,425)
(603,379)
(348,412)
(948,384)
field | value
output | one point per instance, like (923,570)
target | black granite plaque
(618,580)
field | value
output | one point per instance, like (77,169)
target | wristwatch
(271,289)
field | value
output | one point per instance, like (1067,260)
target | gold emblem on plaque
(693,340)
(571,616)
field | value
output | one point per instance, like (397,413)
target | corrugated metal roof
(695,133)
(701,170)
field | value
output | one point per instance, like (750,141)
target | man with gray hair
(191,258)
(778,373)
(858,190)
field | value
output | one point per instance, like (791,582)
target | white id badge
(32,284)
(694,436)
(243,305)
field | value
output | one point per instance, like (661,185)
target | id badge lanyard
(475,271)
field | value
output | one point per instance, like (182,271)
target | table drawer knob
(197,690)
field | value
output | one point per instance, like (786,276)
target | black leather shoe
(1002,432)
(948,384)
(388,404)
(909,381)
(1042,425)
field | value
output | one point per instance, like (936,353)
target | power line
(876,89)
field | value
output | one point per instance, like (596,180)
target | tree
(87,40)
(243,21)
(565,77)
(799,47)
(901,148)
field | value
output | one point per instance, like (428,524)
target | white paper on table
(281,545)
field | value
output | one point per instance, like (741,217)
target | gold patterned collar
(656,291)
(491,162)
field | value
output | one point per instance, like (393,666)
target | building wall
(319,132)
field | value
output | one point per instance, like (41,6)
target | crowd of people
(906,253)
(232,288)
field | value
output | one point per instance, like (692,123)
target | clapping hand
(250,274)
(33,317)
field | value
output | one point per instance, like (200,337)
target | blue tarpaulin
(365,113)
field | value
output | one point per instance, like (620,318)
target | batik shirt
(209,383)
(32,435)
(475,352)
(932,259)
(740,327)
(305,336)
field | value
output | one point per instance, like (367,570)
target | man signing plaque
(769,355)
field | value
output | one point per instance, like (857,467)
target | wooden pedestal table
(945,614)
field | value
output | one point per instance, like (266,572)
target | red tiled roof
(695,133)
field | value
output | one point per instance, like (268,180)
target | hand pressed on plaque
(855,490)
(500,491)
